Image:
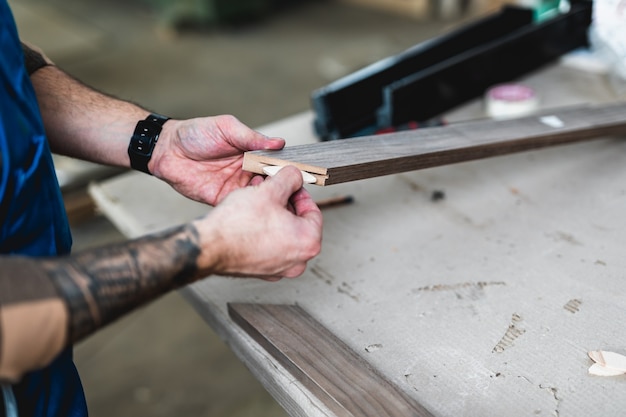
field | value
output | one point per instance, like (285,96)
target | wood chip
(607,363)
(272,170)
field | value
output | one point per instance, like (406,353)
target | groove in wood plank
(334,373)
(253,165)
(371,156)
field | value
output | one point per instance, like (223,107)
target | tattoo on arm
(103,284)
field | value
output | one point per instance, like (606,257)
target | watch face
(144,138)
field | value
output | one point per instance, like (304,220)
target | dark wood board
(364,157)
(325,365)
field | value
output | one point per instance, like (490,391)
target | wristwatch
(144,139)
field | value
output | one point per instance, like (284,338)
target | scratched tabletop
(477,288)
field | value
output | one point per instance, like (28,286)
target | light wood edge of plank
(255,163)
(115,212)
(361,397)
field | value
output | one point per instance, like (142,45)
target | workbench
(476,288)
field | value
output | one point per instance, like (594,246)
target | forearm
(47,304)
(84,123)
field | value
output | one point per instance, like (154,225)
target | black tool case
(444,72)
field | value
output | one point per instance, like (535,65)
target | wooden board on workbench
(372,156)
(344,382)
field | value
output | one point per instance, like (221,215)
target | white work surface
(484,303)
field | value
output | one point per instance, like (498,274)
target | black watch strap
(157,118)
(144,139)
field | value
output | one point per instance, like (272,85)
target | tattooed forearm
(103,284)
(46,304)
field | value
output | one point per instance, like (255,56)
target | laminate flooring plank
(364,157)
(333,372)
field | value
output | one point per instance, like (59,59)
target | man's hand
(269,230)
(202,158)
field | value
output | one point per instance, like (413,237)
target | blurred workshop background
(256,59)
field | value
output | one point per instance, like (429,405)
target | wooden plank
(325,365)
(79,206)
(371,156)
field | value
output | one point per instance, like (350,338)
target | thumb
(285,182)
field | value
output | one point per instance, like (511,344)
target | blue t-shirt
(33,221)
